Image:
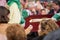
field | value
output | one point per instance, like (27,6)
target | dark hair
(3,15)
(15,32)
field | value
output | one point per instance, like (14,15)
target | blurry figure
(4,19)
(13,32)
(45,27)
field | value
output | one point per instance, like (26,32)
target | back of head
(15,32)
(4,15)
(48,26)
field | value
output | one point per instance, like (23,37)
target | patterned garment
(2,2)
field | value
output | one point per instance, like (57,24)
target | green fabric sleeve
(56,16)
(24,14)
(22,20)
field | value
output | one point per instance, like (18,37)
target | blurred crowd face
(56,7)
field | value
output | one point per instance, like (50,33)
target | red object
(35,24)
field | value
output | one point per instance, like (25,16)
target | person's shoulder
(54,35)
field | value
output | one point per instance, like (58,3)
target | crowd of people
(14,12)
(42,8)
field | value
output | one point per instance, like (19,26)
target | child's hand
(28,30)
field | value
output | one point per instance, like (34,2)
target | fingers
(28,30)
